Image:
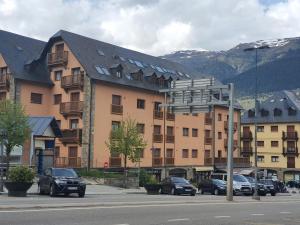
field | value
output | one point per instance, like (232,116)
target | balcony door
(290,162)
(290,128)
(75,97)
(72,156)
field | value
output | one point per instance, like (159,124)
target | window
(274,128)
(274,143)
(260,158)
(260,128)
(194,132)
(260,143)
(73,152)
(156,153)
(185,132)
(264,113)
(219,135)
(206,153)
(116,99)
(141,128)
(36,98)
(75,97)
(277,112)
(59,48)
(115,125)
(57,75)
(140,104)
(73,123)
(57,151)
(169,153)
(157,129)
(185,153)
(118,74)
(251,113)
(219,117)
(76,71)
(156,106)
(274,158)
(194,153)
(170,131)
(58,123)
(57,99)
(219,153)
(3,71)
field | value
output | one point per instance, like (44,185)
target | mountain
(278,66)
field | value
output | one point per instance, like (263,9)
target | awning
(204,168)
(246,171)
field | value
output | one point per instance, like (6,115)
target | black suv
(213,186)
(269,186)
(61,180)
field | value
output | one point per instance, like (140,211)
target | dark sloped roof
(86,51)
(17,51)
(39,124)
(282,100)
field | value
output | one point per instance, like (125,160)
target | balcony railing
(247,136)
(169,161)
(291,135)
(72,82)
(71,136)
(158,114)
(157,161)
(292,151)
(235,143)
(207,140)
(64,162)
(170,138)
(235,125)
(170,116)
(208,121)
(71,108)
(58,58)
(4,82)
(117,109)
(222,162)
(157,138)
(247,151)
(115,162)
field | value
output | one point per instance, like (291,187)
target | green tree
(126,141)
(14,125)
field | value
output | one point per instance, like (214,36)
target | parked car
(177,186)
(293,184)
(213,186)
(269,186)
(241,185)
(261,189)
(56,181)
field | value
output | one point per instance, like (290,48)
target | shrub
(21,174)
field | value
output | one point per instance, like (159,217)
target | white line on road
(122,224)
(285,212)
(257,214)
(175,220)
(222,216)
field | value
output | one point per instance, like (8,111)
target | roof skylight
(139,64)
(102,70)
(100,52)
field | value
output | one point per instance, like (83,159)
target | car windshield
(180,180)
(64,173)
(218,182)
(250,179)
(269,182)
(239,178)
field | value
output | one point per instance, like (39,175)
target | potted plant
(20,179)
(152,186)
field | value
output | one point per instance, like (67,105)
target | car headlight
(178,187)
(236,185)
(81,182)
(58,181)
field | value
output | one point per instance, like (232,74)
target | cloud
(156,26)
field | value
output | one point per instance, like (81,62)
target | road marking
(257,214)
(285,212)
(123,224)
(222,216)
(175,220)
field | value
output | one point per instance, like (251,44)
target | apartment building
(278,124)
(90,86)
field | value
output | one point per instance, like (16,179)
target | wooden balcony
(207,140)
(170,116)
(247,136)
(115,162)
(222,162)
(58,58)
(293,135)
(72,82)
(158,115)
(290,151)
(235,125)
(235,143)
(170,138)
(208,121)
(71,136)
(4,82)
(156,161)
(117,109)
(71,108)
(157,138)
(170,161)
(64,162)
(246,151)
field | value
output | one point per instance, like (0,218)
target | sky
(156,27)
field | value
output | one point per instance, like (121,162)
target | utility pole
(2,162)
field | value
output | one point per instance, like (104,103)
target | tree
(14,125)
(125,140)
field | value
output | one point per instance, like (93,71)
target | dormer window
(138,76)
(292,111)
(264,113)
(277,112)
(116,70)
(251,113)
(118,74)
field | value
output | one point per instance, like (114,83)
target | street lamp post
(256,196)
(2,136)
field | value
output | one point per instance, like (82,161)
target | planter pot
(17,189)
(152,189)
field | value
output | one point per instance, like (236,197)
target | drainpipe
(90,127)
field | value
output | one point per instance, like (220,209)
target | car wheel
(81,194)
(273,194)
(216,192)
(193,194)
(52,191)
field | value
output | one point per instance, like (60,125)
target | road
(154,210)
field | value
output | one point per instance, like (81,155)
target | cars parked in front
(241,185)
(268,183)
(56,181)
(293,184)
(177,186)
(213,186)
(261,189)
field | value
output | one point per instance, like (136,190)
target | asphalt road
(158,210)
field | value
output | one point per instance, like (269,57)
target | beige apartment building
(90,86)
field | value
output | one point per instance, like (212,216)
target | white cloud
(155,26)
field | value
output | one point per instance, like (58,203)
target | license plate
(187,189)
(72,188)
